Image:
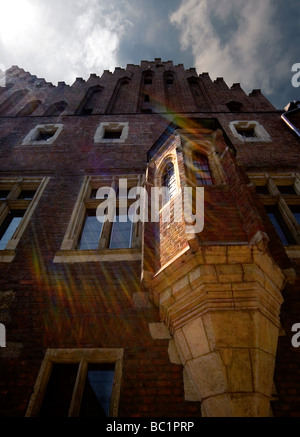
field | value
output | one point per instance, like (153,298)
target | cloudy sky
(253,42)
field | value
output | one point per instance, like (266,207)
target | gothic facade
(171,314)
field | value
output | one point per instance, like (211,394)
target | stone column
(222,306)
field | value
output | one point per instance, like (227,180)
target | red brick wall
(91,304)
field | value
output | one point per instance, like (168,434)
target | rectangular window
(87,239)
(202,170)
(114,132)
(112,135)
(18,199)
(280,225)
(27,194)
(4,194)
(97,391)
(286,189)
(295,209)
(9,226)
(58,395)
(121,233)
(246,133)
(279,194)
(91,232)
(78,383)
(262,189)
(44,136)
(96,398)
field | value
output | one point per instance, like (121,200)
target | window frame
(261,135)
(69,251)
(158,179)
(172,182)
(83,357)
(208,151)
(196,154)
(282,201)
(123,128)
(12,202)
(32,138)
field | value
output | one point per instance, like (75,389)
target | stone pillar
(222,307)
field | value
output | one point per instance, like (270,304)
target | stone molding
(218,278)
(221,304)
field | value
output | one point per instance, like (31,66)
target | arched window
(12,101)
(148,78)
(169,79)
(56,109)
(120,101)
(201,169)
(29,108)
(91,102)
(168,182)
(234,106)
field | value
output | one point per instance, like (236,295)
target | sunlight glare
(16,17)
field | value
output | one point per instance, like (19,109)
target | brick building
(155,317)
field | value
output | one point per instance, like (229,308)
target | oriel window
(201,169)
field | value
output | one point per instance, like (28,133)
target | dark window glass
(280,225)
(296,212)
(94,193)
(91,232)
(234,106)
(4,194)
(286,189)
(86,111)
(56,109)
(29,108)
(111,135)
(262,189)
(146,98)
(202,170)
(97,391)
(148,80)
(246,133)
(44,136)
(121,233)
(169,182)
(169,79)
(9,226)
(27,194)
(58,396)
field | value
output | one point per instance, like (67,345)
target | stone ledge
(159,331)
(74,256)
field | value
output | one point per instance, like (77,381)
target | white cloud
(61,40)
(249,51)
